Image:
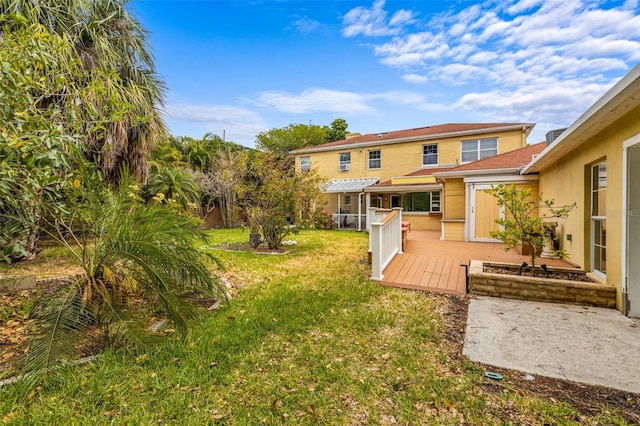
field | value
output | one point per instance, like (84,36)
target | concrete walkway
(595,346)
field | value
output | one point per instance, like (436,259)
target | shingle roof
(509,160)
(440,130)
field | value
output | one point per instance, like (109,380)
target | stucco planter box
(539,289)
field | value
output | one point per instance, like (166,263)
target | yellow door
(485,211)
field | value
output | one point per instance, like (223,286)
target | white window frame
(435,199)
(305,164)
(598,217)
(430,154)
(378,159)
(479,151)
(344,161)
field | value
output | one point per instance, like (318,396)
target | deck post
(375,241)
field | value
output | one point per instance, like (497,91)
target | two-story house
(395,169)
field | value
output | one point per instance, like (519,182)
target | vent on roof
(552,135)
(379,135)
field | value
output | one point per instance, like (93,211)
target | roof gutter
(487,172)
(402,188)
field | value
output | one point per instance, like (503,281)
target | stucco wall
(454,198)
(454,231)
(401,158)
(423,221)
(567,181)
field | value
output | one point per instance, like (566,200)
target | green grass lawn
(306,339)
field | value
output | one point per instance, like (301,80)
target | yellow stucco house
(596,163)
(398,168)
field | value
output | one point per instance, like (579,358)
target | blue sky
(244,67)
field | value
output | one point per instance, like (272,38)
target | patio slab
(596,346)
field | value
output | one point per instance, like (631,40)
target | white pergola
(353,186)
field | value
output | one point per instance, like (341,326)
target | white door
(484,211)
(632,215)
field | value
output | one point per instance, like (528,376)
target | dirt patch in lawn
(245,247)
(587,399)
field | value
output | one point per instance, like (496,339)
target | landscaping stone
(539,289)
(27,282)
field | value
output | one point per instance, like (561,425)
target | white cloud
(523,5)
(413,50)
(219,113)
(528,60)
(401,17)
(373,22)
(345,103)
(240,124)
(315,100)
(306,26)
(551,104)
(415,78)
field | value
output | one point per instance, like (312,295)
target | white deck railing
(385,239)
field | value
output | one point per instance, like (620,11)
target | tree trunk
(255,240)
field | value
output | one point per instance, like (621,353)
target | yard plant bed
(563,285)
(554,273)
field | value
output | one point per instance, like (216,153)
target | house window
(478,149)
(375,159)
(305,164)
(422,202)
(599,217)
(429,154)
(345,161)
(347,200)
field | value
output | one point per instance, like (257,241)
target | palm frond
(55,326)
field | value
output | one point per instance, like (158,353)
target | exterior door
(632,225)
(484,212)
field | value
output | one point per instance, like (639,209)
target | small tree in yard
(274,195)
(136,257)
(521,224)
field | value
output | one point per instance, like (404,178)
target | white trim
(626,145)
(477,149)
(471,229)
(418,187)
(593,219)
(496,179)
(478,172)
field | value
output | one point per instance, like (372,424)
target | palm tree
(174,184)
(107,37)
(167,154)
(126,248)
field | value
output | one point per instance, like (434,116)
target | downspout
(338,215)
(442,198)
(360,210)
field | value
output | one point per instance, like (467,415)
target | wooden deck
(429,264)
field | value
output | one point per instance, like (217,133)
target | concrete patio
(596,346)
